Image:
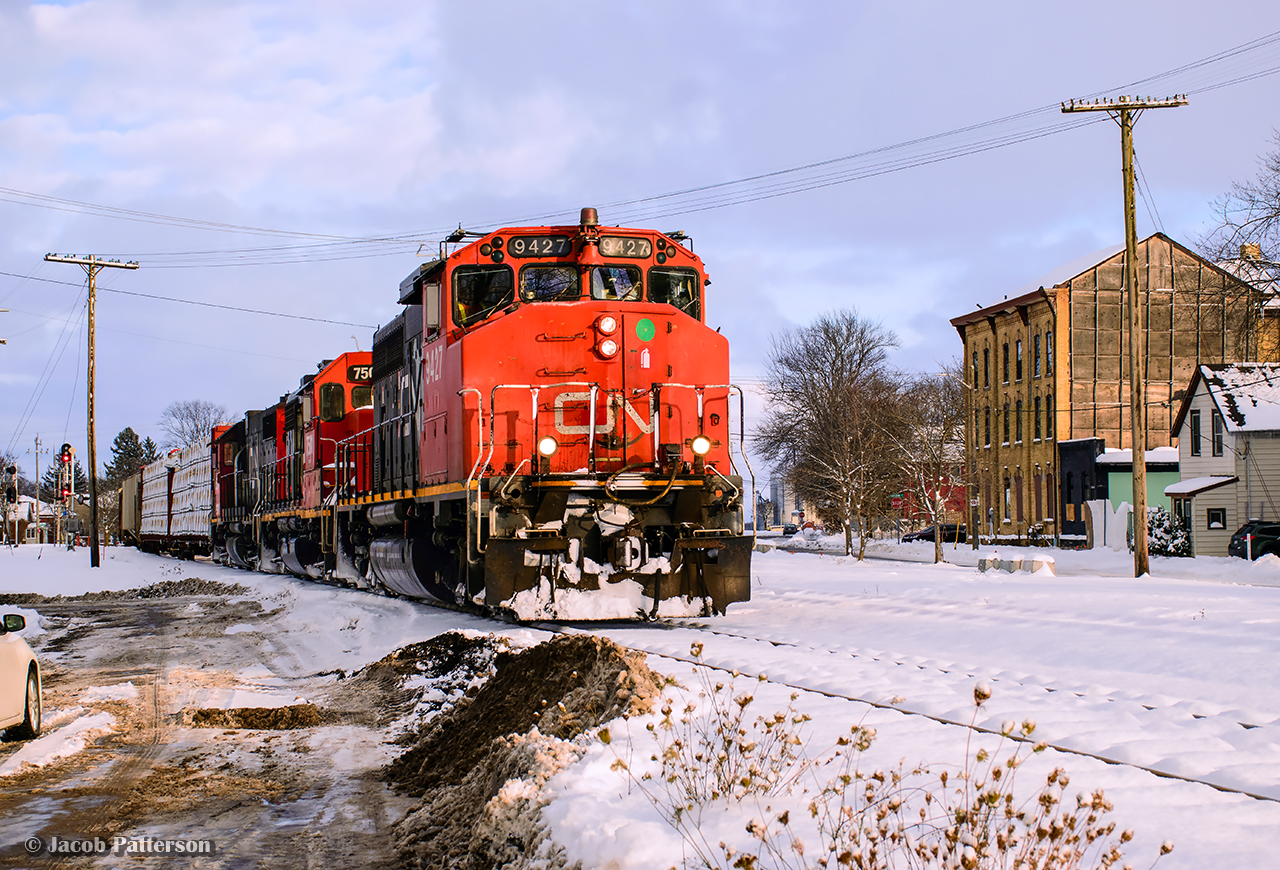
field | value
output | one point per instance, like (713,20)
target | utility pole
(92,266)
(1125,111)
(38,541)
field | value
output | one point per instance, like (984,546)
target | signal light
(547,445)
(608,348)
(11,493)
(701,445)
(607,324)
(65,453)
(66,494)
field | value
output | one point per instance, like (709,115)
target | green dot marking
(645,329)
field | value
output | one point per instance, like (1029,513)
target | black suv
(1266,539)
(952,533)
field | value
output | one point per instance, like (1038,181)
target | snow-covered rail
(1070,741)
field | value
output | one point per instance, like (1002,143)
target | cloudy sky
(905,159)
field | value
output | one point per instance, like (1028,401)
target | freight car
(547,429)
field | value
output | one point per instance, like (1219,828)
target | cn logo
(603,427)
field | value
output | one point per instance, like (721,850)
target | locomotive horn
(590,218)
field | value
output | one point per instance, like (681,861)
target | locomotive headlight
(547,445)
(608,348)
(701,444)
(608,324)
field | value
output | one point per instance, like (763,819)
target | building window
(1217,433)
(1017,352)
(1036,432)
(1048,420)
(975,370)
(977,426)
(1195,433)
(1008,498)
(1036,351)
(1006,423)
(1048,352)
(986,367)
(1217,518)
(986,427)
(1005,369)
(1017,421)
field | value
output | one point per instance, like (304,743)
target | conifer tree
(126,457)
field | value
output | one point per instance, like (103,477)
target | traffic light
(11,493)
(65,454)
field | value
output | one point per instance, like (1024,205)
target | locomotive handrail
(475,467)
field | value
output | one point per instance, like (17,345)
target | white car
(19,682)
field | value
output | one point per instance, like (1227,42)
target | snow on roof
(1248,394)
(1195,485)
(1156,455)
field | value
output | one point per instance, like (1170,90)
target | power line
(196,302)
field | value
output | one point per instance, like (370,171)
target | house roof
(1154,456)
(1197,485)
(1247,395)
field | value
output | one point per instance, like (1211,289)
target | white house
(1228,431)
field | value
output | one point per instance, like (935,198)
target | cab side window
(361,397)
(479,291)
(678,287)
(332,403)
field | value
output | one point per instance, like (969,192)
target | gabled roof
(1247,395)
(1067,272)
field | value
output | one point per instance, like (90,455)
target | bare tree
(190,422)
(832,402)
(1249,213)
(930,442)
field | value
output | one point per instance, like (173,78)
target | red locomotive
(545,429)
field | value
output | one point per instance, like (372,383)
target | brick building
(1051,366)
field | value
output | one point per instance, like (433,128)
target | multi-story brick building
(1051,366)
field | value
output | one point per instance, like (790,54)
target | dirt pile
(163,589)
(486,747)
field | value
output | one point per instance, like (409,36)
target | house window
(1035,350)
(1017,421)
(1195,433)
(1217,433)
(1005,369)
(1006,423)
(1217,518)
(986,428)
(986,367)
(1048,352)
(1018,359)
(1037,430)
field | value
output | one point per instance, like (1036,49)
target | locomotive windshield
(615,283)
(678,287)
(549,284)
(478,291)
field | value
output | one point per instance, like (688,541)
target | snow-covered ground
(1175,673)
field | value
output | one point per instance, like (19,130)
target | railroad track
(628,636)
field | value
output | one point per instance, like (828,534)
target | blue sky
(331,122)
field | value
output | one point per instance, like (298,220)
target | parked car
(1266,539)
(20,707)
(952,533)
(789,529)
